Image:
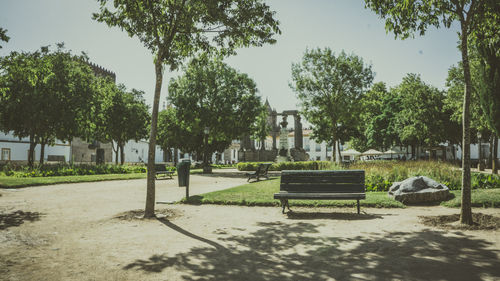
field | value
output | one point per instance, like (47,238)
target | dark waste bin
(100,156)
(183,172)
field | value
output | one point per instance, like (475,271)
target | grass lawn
(13,182)
(261,194)
(487,198)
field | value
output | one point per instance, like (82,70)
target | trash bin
(100,156)
(183,172)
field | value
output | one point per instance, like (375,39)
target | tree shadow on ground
(17,218)
(299,251)
(332,216)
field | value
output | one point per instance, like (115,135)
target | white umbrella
(391,152)
(372,152)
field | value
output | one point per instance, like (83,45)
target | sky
(336,24)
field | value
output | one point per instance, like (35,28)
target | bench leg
(358,206)
(284,203)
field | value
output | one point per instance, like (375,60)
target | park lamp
(206,131)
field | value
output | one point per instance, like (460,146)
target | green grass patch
(14,182)
(379,175)
(261,194)
(486,198)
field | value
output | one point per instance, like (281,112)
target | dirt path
(70,232)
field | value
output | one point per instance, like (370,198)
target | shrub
(303,165)
(72,170)
(381,174)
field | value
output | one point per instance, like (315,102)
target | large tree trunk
(490,156)
(122,154)
(338,154)
(115,151)
(466,211)
(334,155)
(31,152)
(150,192)
(176,156)
(42,151)
(494,166)
(480,166)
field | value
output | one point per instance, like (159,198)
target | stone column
(273,133)
(283,135)
(274,128)
(298,132)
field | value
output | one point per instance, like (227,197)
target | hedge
(304,165)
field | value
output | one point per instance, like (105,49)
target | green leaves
(3,36)
(421,119)
(176,29)
(405,18)
(209,94)
(120,115)
(329,87)
(45,94)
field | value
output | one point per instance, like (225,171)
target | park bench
(162,172)
(261,171)
(321,185)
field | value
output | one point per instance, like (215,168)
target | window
(318,158)
(6,154)
(307,148)
(318,147)
(328,148)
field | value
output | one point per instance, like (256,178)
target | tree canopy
(485,41)
(3,36)
(176,29)
(210,94)
(45,95)
(120,115)
(405,18)
(330,88)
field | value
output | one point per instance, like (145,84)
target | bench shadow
(222,175)
(17,218)
(301,251)
(332,216)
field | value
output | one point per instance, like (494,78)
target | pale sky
(337,24)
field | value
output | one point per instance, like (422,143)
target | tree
(211,95)
(420,120)
(485,42)
(405,18)
(45,96)
(261,127)
(123,116)
(329,88)
(176,29)
(378,118)
(3,36)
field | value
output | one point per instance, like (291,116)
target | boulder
(419,190)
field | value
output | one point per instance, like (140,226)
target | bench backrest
(266,166)
(313,181)
(160,168)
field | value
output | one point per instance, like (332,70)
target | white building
(16,150)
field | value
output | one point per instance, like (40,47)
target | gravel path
(71,232)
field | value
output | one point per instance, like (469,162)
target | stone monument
(284,150)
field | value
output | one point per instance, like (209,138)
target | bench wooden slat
(325,179)
(319,196)
(321,185)
(323,172)
(317,187)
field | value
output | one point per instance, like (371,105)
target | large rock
(419,190)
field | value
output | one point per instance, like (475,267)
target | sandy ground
(70,232)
